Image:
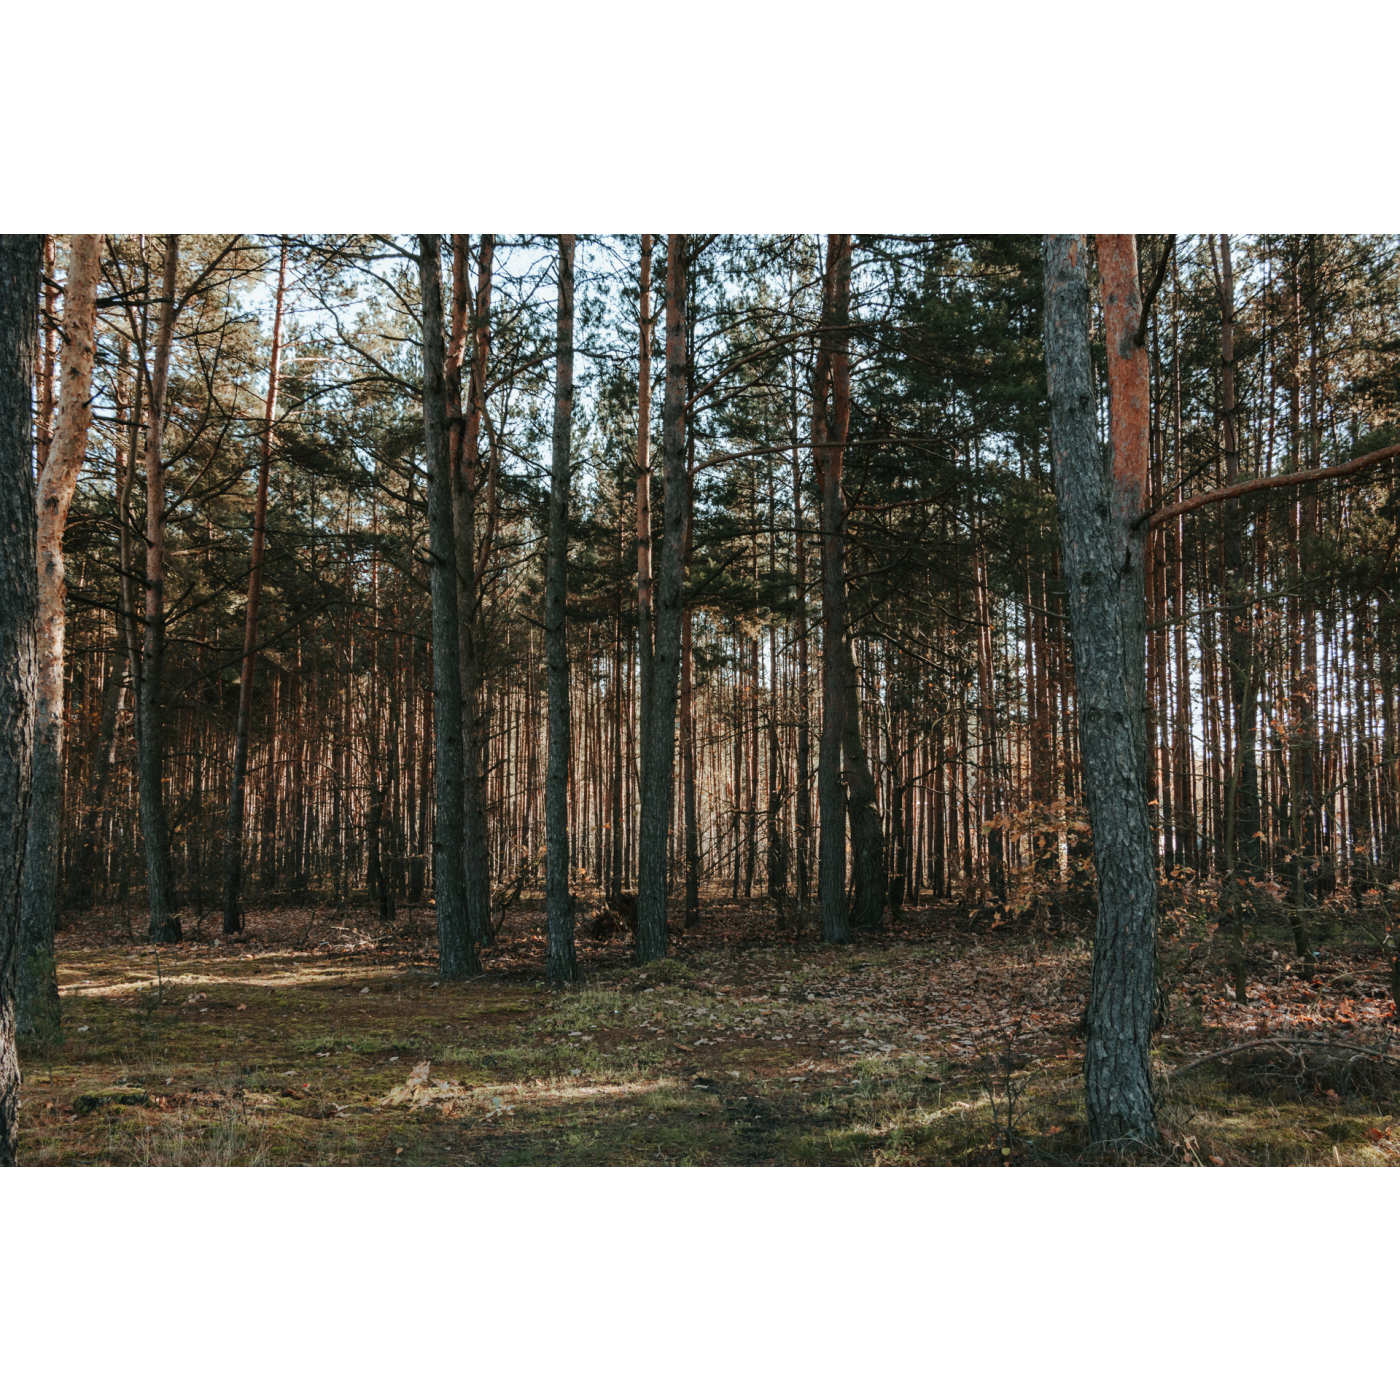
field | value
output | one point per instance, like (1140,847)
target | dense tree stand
(498,594)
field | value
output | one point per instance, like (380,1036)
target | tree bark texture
(20,256)
(868,884)
(659,734)
(646,641)
(1102,566)
(37,1004)
(688,791)
(150,709)
(457,955)
(559,905)
(233,875)
(828,438)
(463,439)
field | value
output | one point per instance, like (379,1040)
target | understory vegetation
(325,1039)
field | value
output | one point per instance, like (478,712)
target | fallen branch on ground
(1284,1042)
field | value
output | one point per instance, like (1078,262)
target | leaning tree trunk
(233,878)
(37,991)
(559,908)
(1102,568)
(828,439)
(457,955)
(659,732)
(150,708)
(19,640)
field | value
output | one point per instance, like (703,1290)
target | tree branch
(1364,1051)
(1262,483)
(1140,338)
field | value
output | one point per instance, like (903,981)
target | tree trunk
(646,642)
(658,740)
(615,819)
(1102,566)
(464,437)
(150,708)
(692,834)
(20,256)
(1242,853)
(862,801)
(37,992)
(457,955)
(775,836)
(113,702)
(559,958)
(803,807)
(828,439)
(233,876)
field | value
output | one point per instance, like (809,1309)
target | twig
(1285,1041)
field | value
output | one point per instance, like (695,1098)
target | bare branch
(1263,483)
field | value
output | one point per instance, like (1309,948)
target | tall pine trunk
(1102,568)
(457,955)
(463,438)
(37,996)
(20,256)
(688,804)
(868,887)
(559,957)
(659,729)
(646,642)
(150,708)
(803,807)
(233,875)
(828,438)
(1242,853)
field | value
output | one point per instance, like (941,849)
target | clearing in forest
(327,1040)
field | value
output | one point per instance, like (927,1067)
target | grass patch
(900,1051)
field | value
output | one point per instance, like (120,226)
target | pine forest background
(1271,619)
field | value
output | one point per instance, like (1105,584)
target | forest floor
(325,1039)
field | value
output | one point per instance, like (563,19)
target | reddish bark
(1128,379)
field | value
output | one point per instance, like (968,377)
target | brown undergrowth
(326,1039)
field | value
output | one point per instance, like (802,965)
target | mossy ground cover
(332,1043)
